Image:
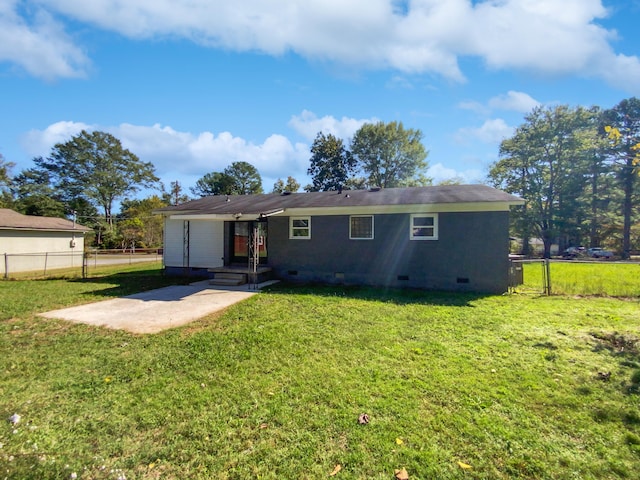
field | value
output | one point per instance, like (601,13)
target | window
(300,228)
(424,227)
(361,227)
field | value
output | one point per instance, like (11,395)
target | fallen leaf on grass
(399,441)
(363,419)
(402,474)
(263,426)
(464,466)
(335,470)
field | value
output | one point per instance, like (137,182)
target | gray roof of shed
(272,202)
(11,220)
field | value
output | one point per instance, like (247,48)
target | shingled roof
(11,220)
(267,203)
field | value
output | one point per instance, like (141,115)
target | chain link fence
(44,264)
(531,276)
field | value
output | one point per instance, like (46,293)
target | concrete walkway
(156,310)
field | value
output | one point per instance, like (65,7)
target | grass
(586,278)
(455,385)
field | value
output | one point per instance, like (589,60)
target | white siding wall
(26,250)
(206,243)
(173,243)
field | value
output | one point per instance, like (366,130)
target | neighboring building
(30,243)
(453,237)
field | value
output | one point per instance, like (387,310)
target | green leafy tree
(621,125)
(214,183)
(239,178)
(5,182)
(452,181)
(331,165)
(34,194)
(246,179)
(5,170)
(95,166)
(143,227)
(601,191)
(544,163)
(390,155)
(130,232)
(280,186)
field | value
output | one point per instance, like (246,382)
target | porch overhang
(210,216)
(229,217)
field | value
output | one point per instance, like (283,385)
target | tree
(601,191)
(96,167)
(390,155)
(292,185)
(621,125)
(544,163)
(138,224)
(131,232)
(239,178)
(35,196)
(174,196)
(5,181)
(246,179)
(332,165)
(214,183)
(5,169)
(456,180)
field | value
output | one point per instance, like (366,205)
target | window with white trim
(424,226)
(361,227)
(300,228)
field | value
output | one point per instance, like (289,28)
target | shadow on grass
(396,296)
(128,283)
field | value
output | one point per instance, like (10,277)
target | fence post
(547,275)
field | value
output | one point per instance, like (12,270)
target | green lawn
(586,278)
(455,386)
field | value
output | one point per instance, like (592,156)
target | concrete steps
(231,274)
(228,279)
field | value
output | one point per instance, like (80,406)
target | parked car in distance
(573,252)
(597,252)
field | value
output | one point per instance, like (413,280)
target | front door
(241,238)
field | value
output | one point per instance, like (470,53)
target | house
(453,237)
(29,243)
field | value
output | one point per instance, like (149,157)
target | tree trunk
(627,208)
(547,247)
(594,239)
(526,246)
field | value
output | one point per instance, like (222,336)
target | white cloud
(308,125)
(440,173)
(39,44)
(511,101)
(474,106)
(491,131)
(514,101)
(183,154)
(542,36)
(38,143)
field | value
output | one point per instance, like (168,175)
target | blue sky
(194,85)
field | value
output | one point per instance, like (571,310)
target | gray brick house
(453,237)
